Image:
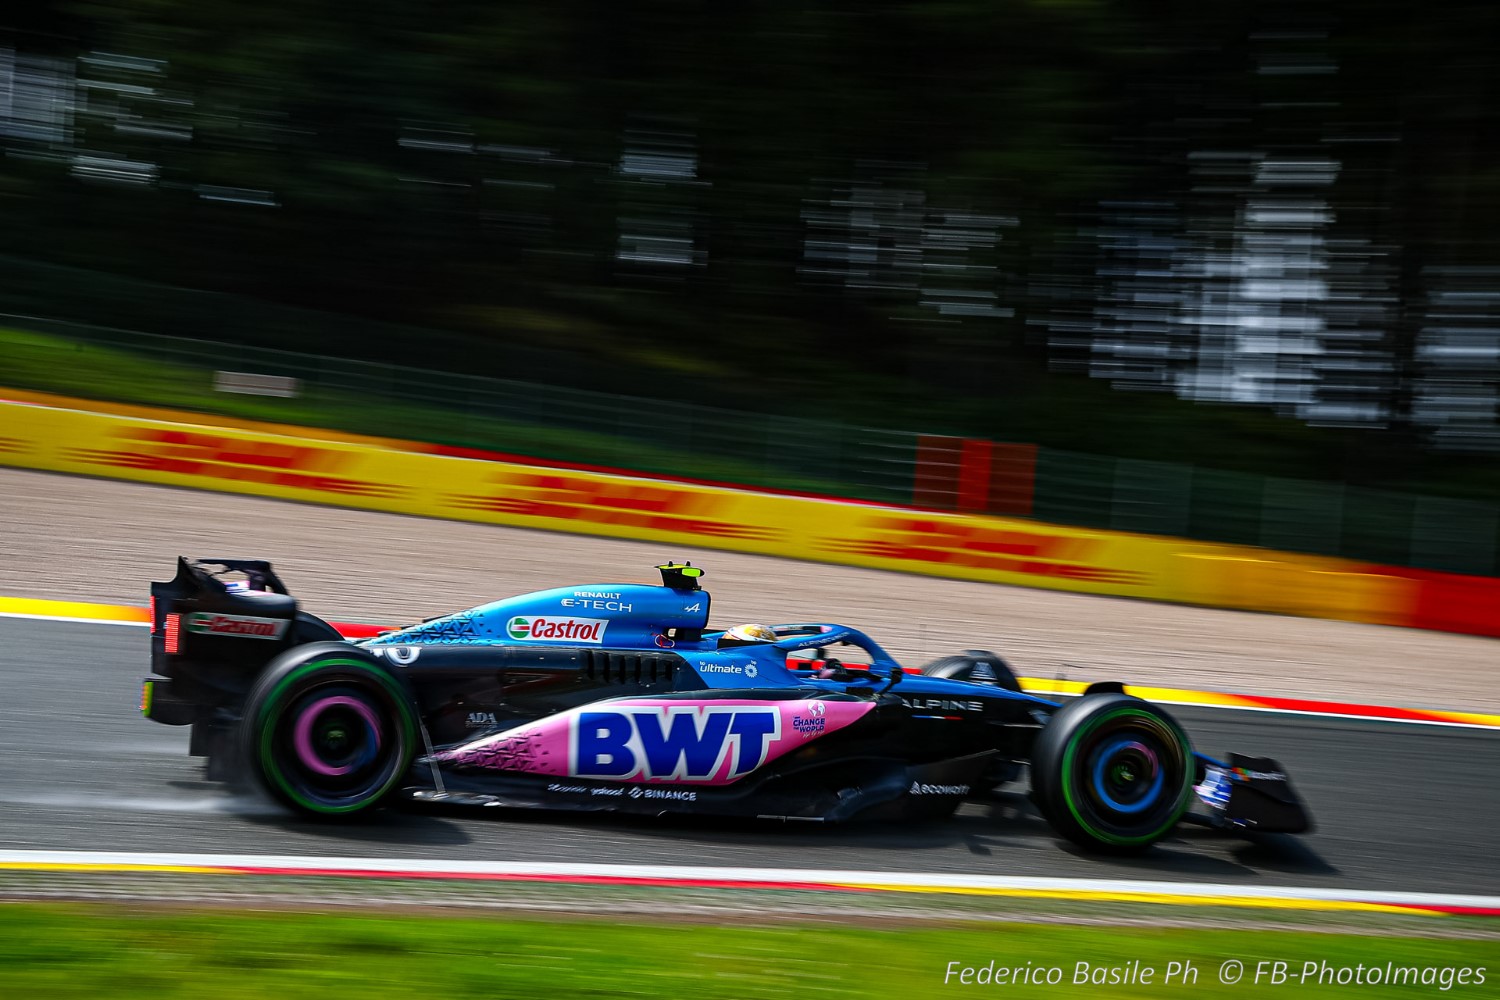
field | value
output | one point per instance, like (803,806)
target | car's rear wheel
(327,731)
(977,665)
(1112,773)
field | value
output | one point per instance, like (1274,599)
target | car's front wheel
(328,731)
(1112,773)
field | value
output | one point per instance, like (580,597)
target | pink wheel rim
(302,734)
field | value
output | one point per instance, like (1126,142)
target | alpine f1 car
(620,697)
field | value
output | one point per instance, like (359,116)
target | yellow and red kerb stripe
(115,614)
(77,611)
(19,607)
(1271,703)
(775,879)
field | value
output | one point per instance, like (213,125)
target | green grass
(414,406)
(68,950)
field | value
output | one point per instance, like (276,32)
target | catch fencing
(685,439)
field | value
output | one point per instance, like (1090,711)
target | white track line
(378,867)
(81,621)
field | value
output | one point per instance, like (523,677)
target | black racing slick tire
(976,665)
(1112,773)
(328,731)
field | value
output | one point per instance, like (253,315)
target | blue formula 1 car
(620,697)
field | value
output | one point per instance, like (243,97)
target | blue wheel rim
(1116,770)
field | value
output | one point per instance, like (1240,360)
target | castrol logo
(243,626)
(539,628)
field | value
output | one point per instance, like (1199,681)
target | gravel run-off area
(82,539)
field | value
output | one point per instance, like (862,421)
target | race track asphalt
(1399,807)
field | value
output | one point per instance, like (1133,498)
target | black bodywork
(228,658)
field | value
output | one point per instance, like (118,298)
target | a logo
(814,723)
(598,500)
(918,788)
(721,668)
(752,671)
(273,462)
(693,607)
(478,720)
(243,626)
(539,629)
(675,794)
(568,789)
(665,642)
(595,604)
(400,655)
(1260,775)
(943,704)
(673,742)
(1064,555)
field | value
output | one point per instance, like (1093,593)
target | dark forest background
(1260,236)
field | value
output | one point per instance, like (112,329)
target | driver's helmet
(750,632)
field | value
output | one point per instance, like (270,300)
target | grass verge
(66,950)
(421,406)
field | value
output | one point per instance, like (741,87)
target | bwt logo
(676,742)
(590,630)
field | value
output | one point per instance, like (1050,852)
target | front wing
(1251,794)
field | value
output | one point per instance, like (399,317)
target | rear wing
(202,575)
(211,634)
(197,588)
